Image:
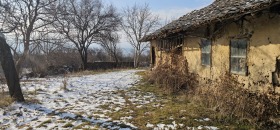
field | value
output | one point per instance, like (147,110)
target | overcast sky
(166,9)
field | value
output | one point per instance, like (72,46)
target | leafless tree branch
(138,21)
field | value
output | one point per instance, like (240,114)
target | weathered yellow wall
(192,52)
(264,48)
(263,51)
(161,56)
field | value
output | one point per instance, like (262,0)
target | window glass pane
(242,45)
(205,52)
(242,65)
(234,64)
(205,59)
(234,48)
(238,50)
(206,46)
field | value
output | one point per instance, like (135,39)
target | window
(169,43)
(206,52)
(238,56)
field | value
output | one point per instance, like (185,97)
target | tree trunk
(136,58)
(116,59)
(83,55)
(9,69)
(85,66)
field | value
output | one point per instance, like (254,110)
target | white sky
(167,10)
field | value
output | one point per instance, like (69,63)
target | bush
(229,98)
(225,95)
(173,75)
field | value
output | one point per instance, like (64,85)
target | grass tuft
(179,107)
(68,125)
(5,100)
(93,72)
(43,124)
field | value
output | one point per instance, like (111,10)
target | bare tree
(84,22)
(99,55)
(109,44)
(138,21)
(9,69)
(25,16)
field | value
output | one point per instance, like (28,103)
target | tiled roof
(219,10)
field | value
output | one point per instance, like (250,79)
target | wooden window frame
(239,57)
(169,43)
(209,52)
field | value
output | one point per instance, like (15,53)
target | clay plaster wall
(263,50)
(160,56)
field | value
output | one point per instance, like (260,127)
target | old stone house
(241,37)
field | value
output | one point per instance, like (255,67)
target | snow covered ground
(78,107)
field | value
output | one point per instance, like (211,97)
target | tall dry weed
(229,98)
(172,74)
(225,95)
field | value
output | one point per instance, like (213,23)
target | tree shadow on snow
(70,116)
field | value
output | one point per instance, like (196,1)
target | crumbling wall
(263,51)
(262,31)
(276,73)
(161,56)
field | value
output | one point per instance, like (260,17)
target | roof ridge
(219,9)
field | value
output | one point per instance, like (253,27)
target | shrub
(225,95)
(229,98)
(173,75)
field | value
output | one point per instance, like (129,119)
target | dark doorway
(153,56)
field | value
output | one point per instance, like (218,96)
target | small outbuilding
(241,37)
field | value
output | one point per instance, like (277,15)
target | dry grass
(5,100)
(68,125)
(44,124)
(65,82)
(172,107)
(31,100)
(229,99)
(173,75)
(93,72)
(226,96)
